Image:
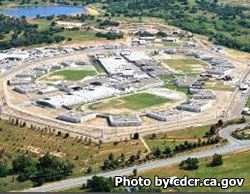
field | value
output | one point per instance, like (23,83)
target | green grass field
(248,102)
(79,35)
(15,141)
(99,68)
(132,102)
(192,132)
(43,23)
(218,86)
(235,166)
(162,143)
(75,35)
(187,66)
(10,183)
(73,75)
(167,78)
(172,86)
(173,138)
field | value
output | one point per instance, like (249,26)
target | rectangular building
(76,116)
(193,106)
(168,115)
(124,121)
(204,94)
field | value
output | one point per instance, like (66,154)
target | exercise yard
(219,86)
(71,75)
(132,102)
(187,65)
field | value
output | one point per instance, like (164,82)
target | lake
(44,11)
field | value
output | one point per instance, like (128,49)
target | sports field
(132,102)
(73,75)
(187,66)
(214,85)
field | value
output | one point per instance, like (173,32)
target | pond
(44,11)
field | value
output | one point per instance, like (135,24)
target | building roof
(81,96)
(136,56)
(185,81)
(16,55)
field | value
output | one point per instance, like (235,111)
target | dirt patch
(98,122)
(33,149)
(57,154)
(92,11)
(55,77)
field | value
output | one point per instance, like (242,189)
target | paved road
(232,146)
(236,106)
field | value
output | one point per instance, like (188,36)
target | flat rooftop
(136,56)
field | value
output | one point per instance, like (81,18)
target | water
(44,11)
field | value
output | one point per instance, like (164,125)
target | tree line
(102,184)
(48,168)
(24,34)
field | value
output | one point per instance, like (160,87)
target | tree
(220,123)
(243,119)
(59,133)
(22,163)
(217,160)
(3,170)
(53,23)
(24,166)
(17,121)
(66,135)
(167,151)
(111,156)
(132,158)
(212,130)
(162,34)
(136,136)
(149,190)
(49,168)
(123,158)
(24,124)
(153,136)
(106,165)
(135,172)
(89,170)
(157,152)
(99,184)
(190,164)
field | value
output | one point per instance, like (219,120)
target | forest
(225,25)
(21,33)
